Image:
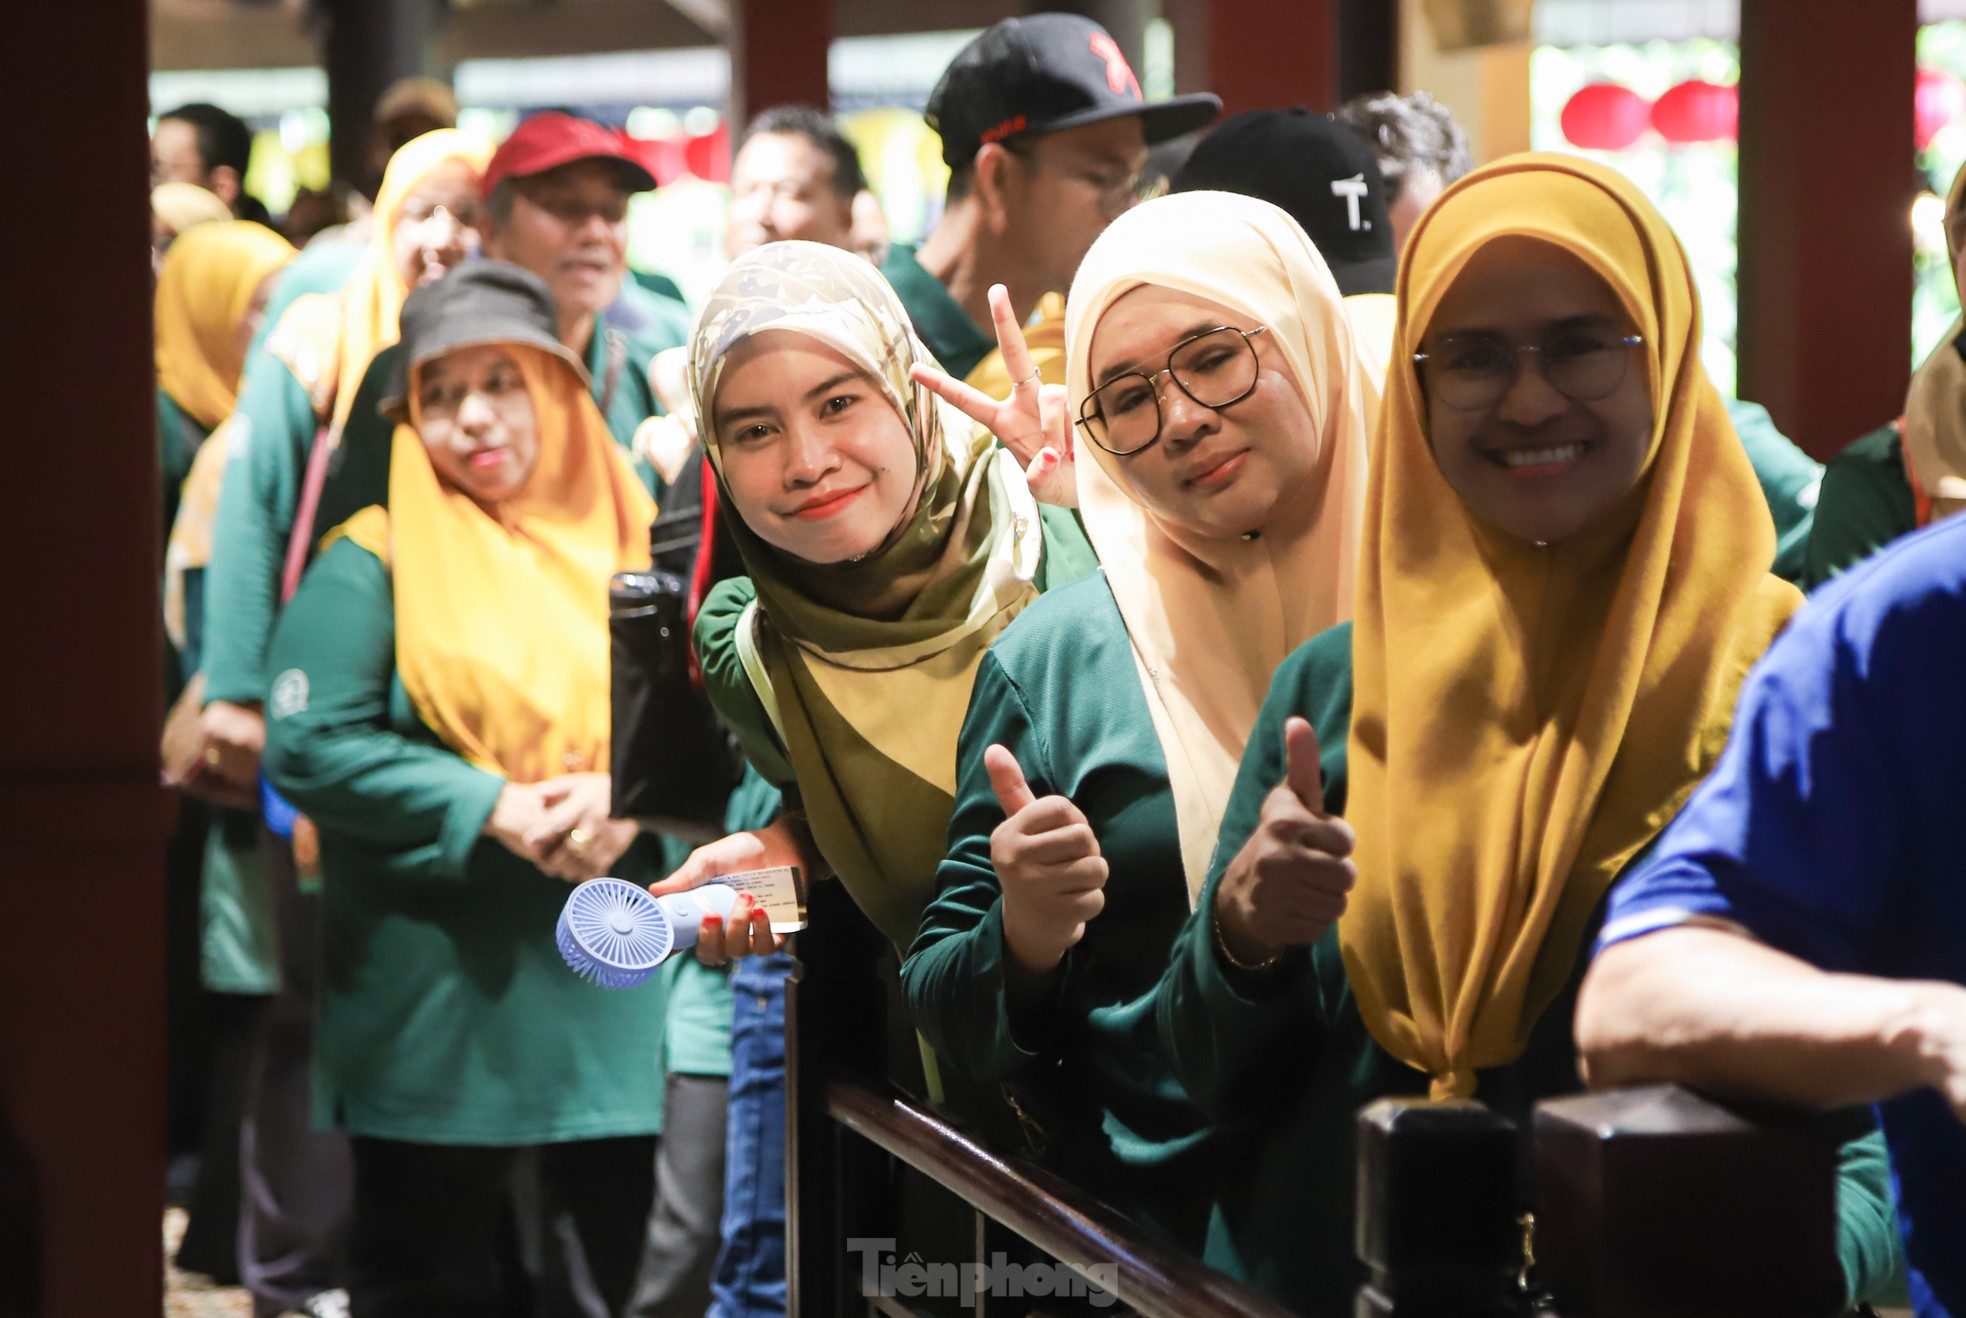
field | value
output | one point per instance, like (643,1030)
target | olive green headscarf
(865,667)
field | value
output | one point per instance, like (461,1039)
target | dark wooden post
(837,1183)
(1437,1211)
(367,45)
(1368,47)
(1656,1203)
(82,819)
(1262,54)
(1827,181)
(777,56)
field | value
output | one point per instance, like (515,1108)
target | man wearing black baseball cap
(1327,177)
(1045,132)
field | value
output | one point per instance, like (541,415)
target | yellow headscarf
(204,290)
(328,339)
(1211,619)
(1935,408)
(502,613)
(1525,718)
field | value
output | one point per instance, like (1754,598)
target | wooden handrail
(1155,1279)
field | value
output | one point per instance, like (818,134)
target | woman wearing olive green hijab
(887,540)
(1558,597)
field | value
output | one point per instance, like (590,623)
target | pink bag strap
(302,538)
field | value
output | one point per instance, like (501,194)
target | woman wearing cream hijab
(1221,474)
(1558,597)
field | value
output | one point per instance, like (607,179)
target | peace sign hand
(1034,423)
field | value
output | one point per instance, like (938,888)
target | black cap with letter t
(1044,73)
(1317,169)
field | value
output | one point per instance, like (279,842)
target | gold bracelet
(1222,950)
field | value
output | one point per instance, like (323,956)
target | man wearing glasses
(1045,133)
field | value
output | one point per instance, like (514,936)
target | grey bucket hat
(482,301)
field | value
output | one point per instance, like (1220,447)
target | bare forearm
(1722,1013)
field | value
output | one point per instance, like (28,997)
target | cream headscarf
(1211,619)
(866,667)
(1935,407)
(1526,717)
(182,206)
(329,339)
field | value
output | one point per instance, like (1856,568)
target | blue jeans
(750,1278)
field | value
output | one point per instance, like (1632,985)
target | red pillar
(82,820)
(1827,180)
(777,56)
(1262,53)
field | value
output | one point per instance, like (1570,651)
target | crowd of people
(1301,630)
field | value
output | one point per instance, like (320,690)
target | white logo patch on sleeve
(289,695)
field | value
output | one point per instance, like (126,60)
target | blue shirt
(1830,831)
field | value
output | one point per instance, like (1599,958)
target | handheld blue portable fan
(616,934)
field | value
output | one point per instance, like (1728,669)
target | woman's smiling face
(1218,472)
(817,461)
(1536,462)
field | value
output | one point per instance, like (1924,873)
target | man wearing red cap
(556,202)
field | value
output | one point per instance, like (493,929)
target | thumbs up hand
(1048,863)
(1289,882)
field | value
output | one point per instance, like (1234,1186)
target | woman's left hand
(576,840)
(1034,423)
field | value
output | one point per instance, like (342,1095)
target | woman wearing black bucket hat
(441,713)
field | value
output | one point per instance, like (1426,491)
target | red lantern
(1698,111)
(1605,117)
(708,156)
(1939,100)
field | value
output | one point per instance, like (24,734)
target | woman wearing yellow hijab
(303,385)
(1563,579)
(1221,475)
(441,713)
(211,289)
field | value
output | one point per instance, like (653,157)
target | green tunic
(1060,689)
(238,952)
(1866,503)
(446,1014)
(263,482)
(958,342)
(1790,479)
(1286,1055)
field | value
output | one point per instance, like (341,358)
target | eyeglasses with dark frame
(1217,368)
(1474,372)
